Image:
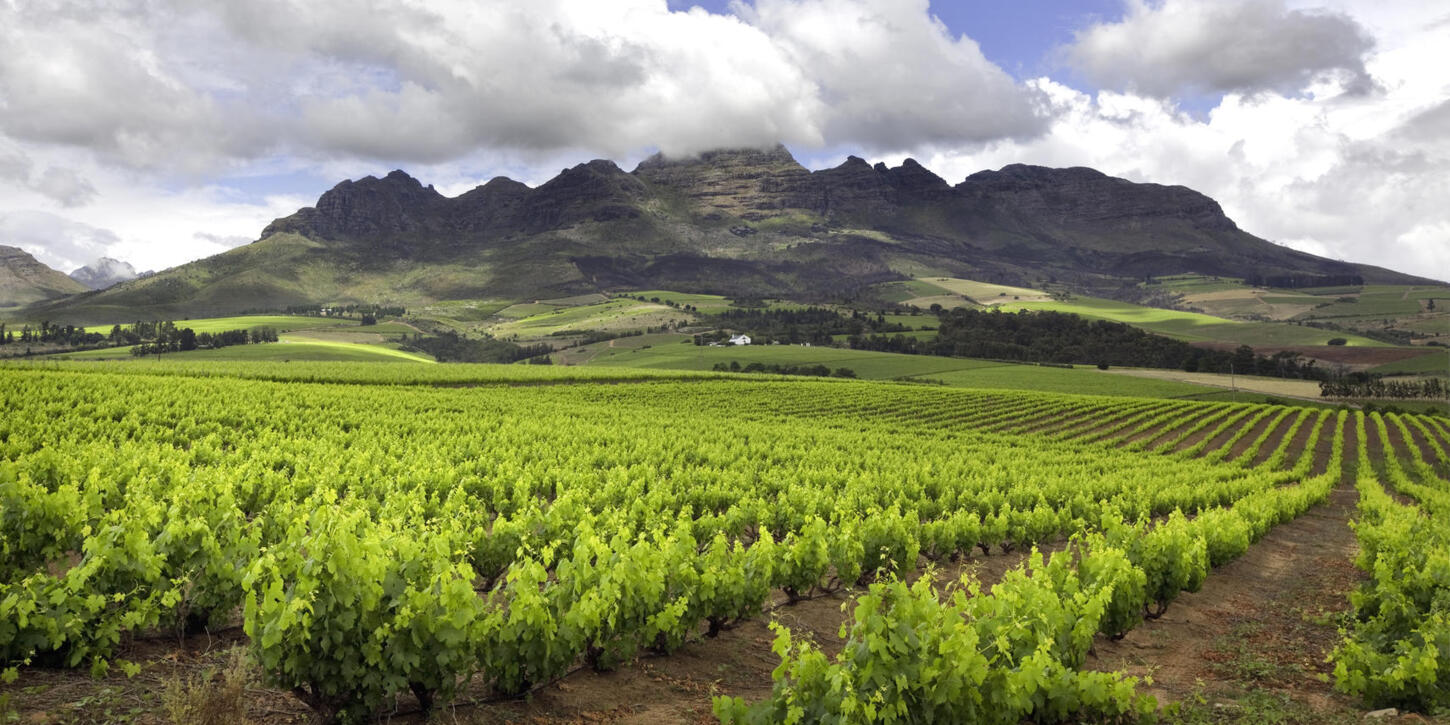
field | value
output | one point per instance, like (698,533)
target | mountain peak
(368,207)
(777,156)
(103,273)
(750,183)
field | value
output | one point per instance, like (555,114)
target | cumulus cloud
(1432,124)
(892,75)
(65,186)
(196,87)
(1184,47)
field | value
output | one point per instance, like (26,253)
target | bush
(1338,341)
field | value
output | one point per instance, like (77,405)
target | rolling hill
(739,222)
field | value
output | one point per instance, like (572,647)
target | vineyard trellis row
(378,540)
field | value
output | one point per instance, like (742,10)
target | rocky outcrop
(103,273)
(369,208)
(750,184)
(858,191)
(24,279)
(597,191)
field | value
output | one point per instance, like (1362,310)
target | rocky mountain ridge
(742,222)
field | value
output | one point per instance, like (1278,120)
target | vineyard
(390,539)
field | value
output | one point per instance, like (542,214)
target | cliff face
(748,184)
(396,204)
(23,279)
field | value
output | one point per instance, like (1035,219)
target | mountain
(24,280)
(736,221)
(103,273)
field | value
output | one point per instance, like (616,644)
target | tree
(188,339)
(1243,360)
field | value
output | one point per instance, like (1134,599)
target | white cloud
(892,75)
(179,86)
(1360,178)
(1174,48)
(65,186)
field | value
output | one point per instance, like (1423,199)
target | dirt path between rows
(1251,645)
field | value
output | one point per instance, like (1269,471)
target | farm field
(632,552)
(1227,298)
(304,338)
(1420,309)
(537,320)
(956,372)
(1192,326)
(1308,389)
(1435,361)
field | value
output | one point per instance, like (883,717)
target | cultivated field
(694,547)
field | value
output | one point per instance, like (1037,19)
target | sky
(161,131)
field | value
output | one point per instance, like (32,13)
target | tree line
(1065,338)
(156,338)
(46,333)
(449,346)
(1364,385)
(818,371)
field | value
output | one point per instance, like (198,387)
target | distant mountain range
(103,273)
(737,222)
(25,280)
